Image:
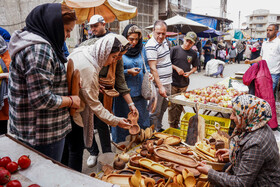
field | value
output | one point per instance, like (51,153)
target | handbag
(146,89)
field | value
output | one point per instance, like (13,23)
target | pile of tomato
(7,166)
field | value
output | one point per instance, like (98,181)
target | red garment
(263,86)
(4,112)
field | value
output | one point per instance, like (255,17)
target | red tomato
(24,162)
(1,168)
(4,161)
(12,167)
(5,176)
(32,185)
(14,183)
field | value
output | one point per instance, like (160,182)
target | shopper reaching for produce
(254,154)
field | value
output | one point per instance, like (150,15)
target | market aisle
(198,80)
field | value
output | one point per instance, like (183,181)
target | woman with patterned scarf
(254,154)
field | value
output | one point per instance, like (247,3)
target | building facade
(14,12)
(258,22)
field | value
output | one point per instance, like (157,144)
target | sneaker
(91,161)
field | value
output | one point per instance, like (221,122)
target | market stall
(215,98)
(162,159)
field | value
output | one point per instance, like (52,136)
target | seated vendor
(254,154)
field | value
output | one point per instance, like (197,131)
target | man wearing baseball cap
(97,26)
(184,62)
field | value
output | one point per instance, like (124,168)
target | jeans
(121,110)
(162,104)
(206,59)
(74,148)
(53,150)
(220,70)
(275,79)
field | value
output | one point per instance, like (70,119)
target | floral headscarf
(252,114)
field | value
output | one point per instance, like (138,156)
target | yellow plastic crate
(173,131)
(209,124)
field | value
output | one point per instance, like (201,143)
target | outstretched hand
(123,123)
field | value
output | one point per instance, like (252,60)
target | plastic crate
(173,131)
(209,124)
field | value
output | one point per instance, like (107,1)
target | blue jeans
(121,110)
(220,70)
(275,79)
(53,150)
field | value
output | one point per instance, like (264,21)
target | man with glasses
(158,55)
(97,24)
(270,52)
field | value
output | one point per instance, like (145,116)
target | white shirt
(270,52)
(160,53)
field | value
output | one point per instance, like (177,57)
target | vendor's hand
(162,91)
(76,101)
(222,153)
(187,74)
(247,61)
(151,77)
(101,88)
(133,109)
(134,71)
(203,168)
(180,71)
(123,123)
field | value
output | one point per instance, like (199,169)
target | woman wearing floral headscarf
(134,70)
(254,154)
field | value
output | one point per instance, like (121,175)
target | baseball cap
(191,36)
(95,19)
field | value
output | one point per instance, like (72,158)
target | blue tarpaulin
(210,22)
(211,33)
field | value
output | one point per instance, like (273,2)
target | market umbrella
(109,9)
(183,25)
(211,33)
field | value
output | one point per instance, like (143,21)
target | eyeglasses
(126,47)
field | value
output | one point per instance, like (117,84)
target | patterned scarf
(252,114)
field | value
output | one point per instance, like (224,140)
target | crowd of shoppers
(38,96)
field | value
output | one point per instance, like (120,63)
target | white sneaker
(91,161)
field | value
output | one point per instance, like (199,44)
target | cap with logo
(96,19)
(191,36)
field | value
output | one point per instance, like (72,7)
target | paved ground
(198,80)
